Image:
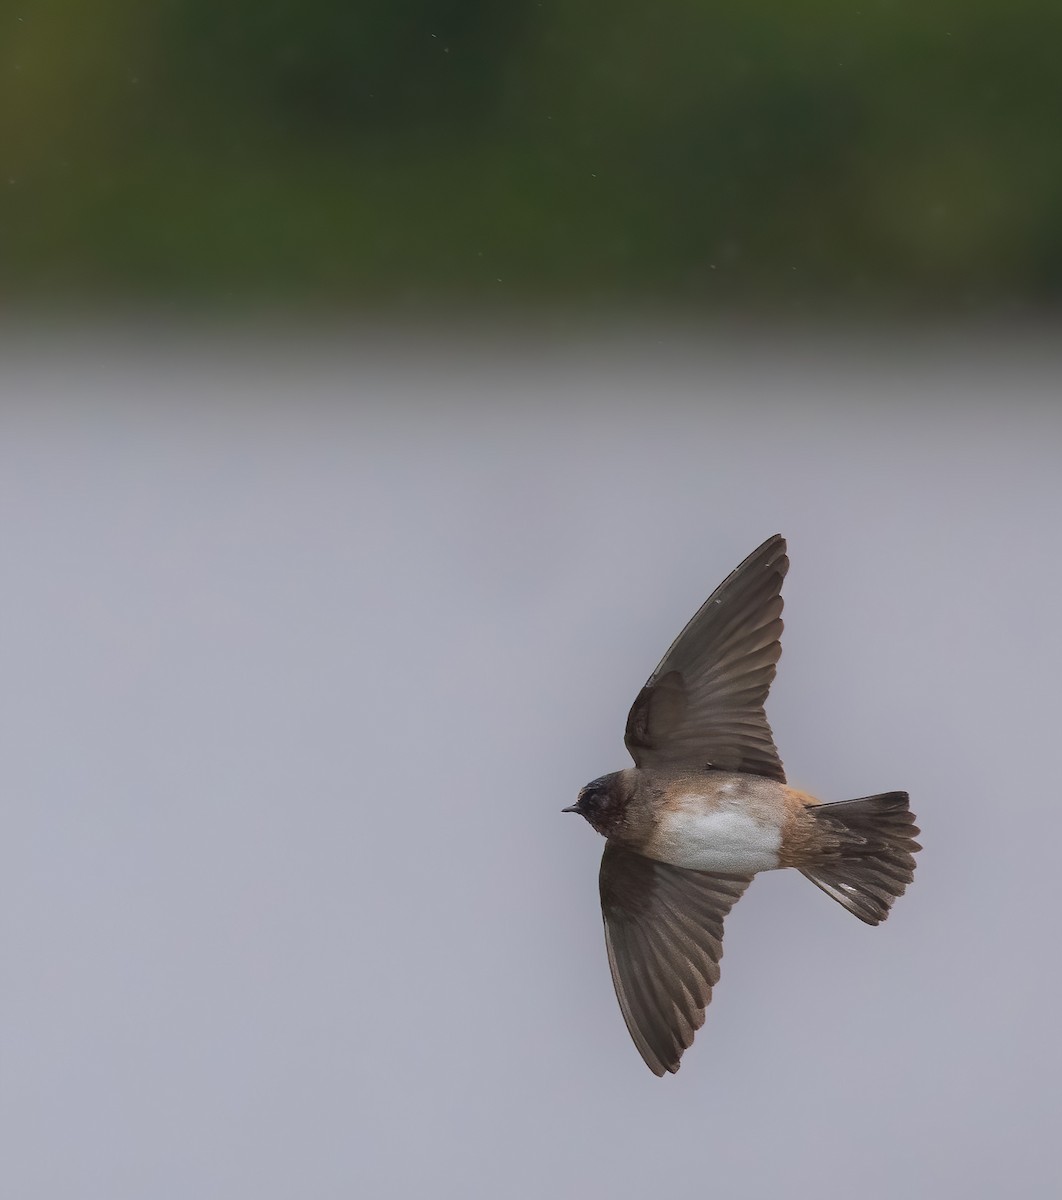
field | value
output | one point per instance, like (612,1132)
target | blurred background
(825,154)
(382,387)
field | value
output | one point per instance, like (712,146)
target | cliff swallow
(706,807)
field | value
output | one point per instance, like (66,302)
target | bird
(706,807)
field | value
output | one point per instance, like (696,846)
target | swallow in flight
(706,806)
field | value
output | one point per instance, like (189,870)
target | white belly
(719,839)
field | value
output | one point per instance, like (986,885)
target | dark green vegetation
(868,152)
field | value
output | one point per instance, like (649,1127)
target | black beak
(572,808)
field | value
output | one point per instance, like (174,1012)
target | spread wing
(703,705)
(664,934)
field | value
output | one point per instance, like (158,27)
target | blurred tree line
(876,152)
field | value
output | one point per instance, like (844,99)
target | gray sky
(305,647)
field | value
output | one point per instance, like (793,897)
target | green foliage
(812,152)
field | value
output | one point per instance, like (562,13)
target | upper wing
(664,934)
(703,705)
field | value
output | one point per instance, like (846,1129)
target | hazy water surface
(305,645)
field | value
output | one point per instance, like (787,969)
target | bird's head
(601,803)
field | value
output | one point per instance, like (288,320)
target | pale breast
(720,831)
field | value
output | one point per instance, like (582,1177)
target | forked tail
(867,856)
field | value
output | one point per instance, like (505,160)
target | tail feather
(867,855)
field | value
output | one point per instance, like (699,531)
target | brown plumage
(706,807)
